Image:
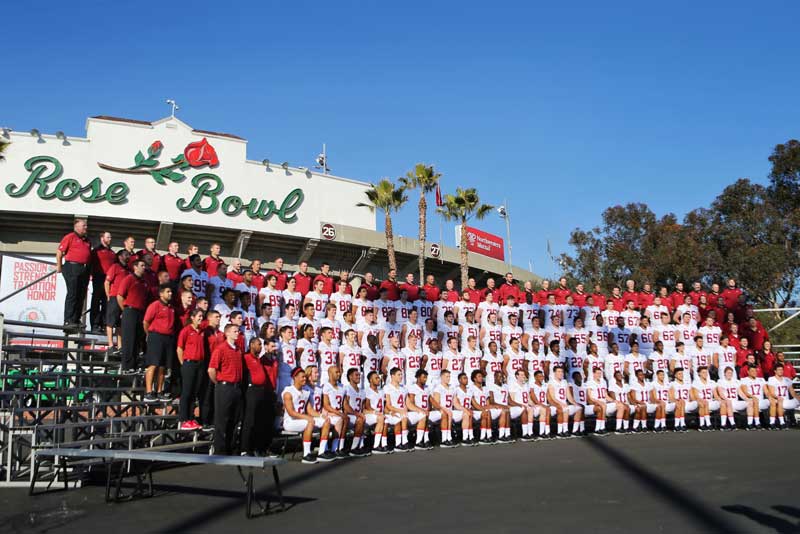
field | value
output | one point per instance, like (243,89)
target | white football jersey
(218,286)
(199,281)
(320,301)
(343,302)
(273,297)
(376,399)
(780,386)
(421,396)
(355,397)
(299,400)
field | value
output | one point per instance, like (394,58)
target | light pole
(503,212)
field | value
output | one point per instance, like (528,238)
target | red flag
(439,201)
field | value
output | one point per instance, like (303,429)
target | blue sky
(564,110)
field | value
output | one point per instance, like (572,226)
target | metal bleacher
(66,391)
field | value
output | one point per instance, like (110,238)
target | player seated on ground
(498,396)
(373,413)
(660,392)
(579,395)
(618,390)
(482,409)
(462,408)
(295,418)
(396,411)
(728,392)
(541,409)
(354,398)
(418,404)
(600,403)
(752,389)
(782,396)
(704,391)
(681,393)
(639,397)
(332,408)
(443,408)
(520,405)
(559,396)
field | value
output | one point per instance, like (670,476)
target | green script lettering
(45,169)
(207,200)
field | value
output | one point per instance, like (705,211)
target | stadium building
(169,180)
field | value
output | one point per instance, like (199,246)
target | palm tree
(424,178)
(386,196)
(461,207)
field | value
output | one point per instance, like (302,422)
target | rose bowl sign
(167,171)
(481,242)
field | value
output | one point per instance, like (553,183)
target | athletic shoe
(525,438)
(448,444)
(381,450)
(164,396)
(309,459)
(342,454)
(326,456)
(485,441)
(405,447)
(427,445)
(150,398)
(469,442)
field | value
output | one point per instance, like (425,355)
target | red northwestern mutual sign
(484,243)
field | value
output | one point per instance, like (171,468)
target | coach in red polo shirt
(678,296)
(259,281)
(561,291)
(225,371)
(411,289)
(755,333)
(731,295)
(373,291)
(192,357)
(475,294)
(544,294)
(390,285)
(159,325)
(327,279)
(431,289)
(280,274)
(303,279)
(630,293)
(646,296)
(508,289)
(211,262)
(103,257)
(73,257)
(173,263)
(261,374)
(132,300)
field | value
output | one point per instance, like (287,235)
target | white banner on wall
(42,302)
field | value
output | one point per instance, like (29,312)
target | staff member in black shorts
(132,300)
(112,281)
(225,371)
(72,261)
(159,325)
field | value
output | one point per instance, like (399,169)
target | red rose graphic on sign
(201,153)
(195,155)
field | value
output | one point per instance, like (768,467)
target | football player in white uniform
(704,391)
(373,412)
(354,398)
(681,395)
(618,389)
(443,401)
(520,404)
(728,392)
(559,396)
(599,402)
(482,409)
(418,405)
(541,408)
(318,299)
(463,409)
(295,418)
(499,397)
(333,408)
(491,362)
(639,397)
(659,392)
(782,396)
(752,389)
(396,411)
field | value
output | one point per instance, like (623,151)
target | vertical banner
(43,302)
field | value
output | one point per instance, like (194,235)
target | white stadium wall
(292,202)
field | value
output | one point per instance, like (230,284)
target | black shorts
(160,349)
(113,313)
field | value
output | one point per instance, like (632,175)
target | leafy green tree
(387,197)
(462,207)
(423,177)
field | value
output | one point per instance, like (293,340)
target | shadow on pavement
(191,520)
(681,500)
(779,524)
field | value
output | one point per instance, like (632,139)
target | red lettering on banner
(26,272)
